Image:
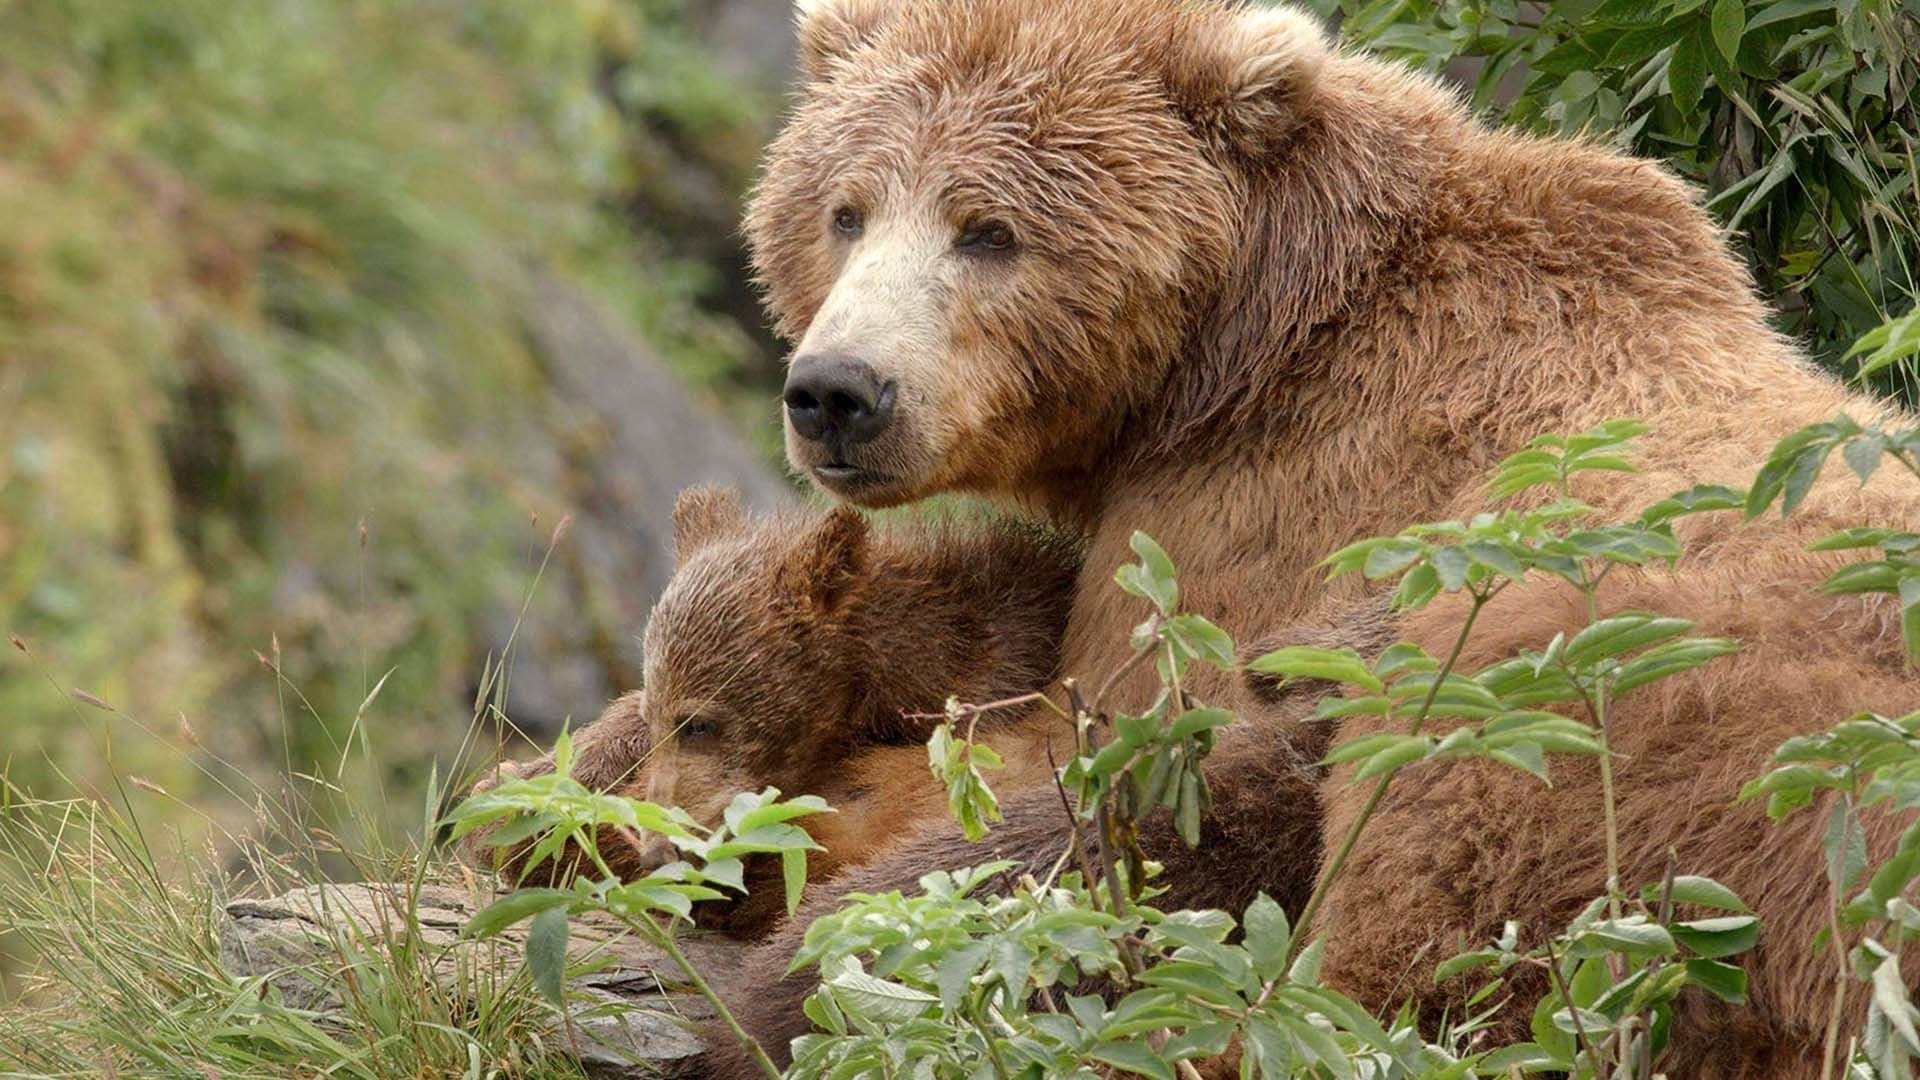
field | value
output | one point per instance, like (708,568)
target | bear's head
(754,657)
(989,228)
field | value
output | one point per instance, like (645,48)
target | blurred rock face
(636,438)
(296,384)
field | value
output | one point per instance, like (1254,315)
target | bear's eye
(697,727)
(847,221)
(992,236)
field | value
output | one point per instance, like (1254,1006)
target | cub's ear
(702,515)
(1243,75)
(824,569)
(830,29)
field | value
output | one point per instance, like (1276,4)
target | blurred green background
(316,319)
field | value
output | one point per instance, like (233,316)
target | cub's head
(989,227)
(753,655)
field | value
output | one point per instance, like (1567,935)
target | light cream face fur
(889,307)
(1104,190)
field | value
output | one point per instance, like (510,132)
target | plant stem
(1339,860)
(659,936)
(1841,978)
(1609,811)
(986,1036)
(1580,1040)
(1119,673)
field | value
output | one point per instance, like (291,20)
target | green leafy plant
(963,981)
(1789,473)
(1866,761)
(1615,971)
(556,813)
(1795,116)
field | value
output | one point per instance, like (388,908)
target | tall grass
(113,913)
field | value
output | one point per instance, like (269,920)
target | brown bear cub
(803,652)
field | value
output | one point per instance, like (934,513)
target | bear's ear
(824,569)
(830,29)
(702,515)
(1243,75)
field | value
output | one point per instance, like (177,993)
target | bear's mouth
(842,477)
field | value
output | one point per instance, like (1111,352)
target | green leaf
(773,813)
(547,953)
(1450,565)
(793,875)
(1590,982)
(1910,613)
(1846,844)
(1863,455)
(1729,21)
(1405,751)
(1134,1057)
(877,999)
(1496,557)
(1268,1048)
(1461,963)
(1589,1022)
(1268,937)
(1308,662)
(1620,634)
(513,907)
(1306,966)
(1687,74)
(1849,539)
(1863,577)
(1317,1043)
(1152,577)
(1671,658)
(1890,999)
(1200,980)
(1194,721)
(1693,889)
(1152,556)
(1526,1057)
(1525,756)
(820,1009)
(1392,556)
(1724,981)
(1634,935)
(1203,639)
(1701,498)
(1723,936)
(1345,1013)
(1887,344)
(1421,585)
(1365,746)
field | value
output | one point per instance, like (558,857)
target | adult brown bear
(1186,268)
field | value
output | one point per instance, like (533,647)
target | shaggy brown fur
(1261,838)
(788,651)
(1267,298)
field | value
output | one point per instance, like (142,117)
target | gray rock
(629,1017)
(633,439)
(752,40)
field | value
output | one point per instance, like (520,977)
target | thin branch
(1347,843)
(1580,1040)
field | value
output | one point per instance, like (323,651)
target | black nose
(837,400)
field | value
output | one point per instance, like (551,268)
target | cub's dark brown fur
(1250,842)
(791,651)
